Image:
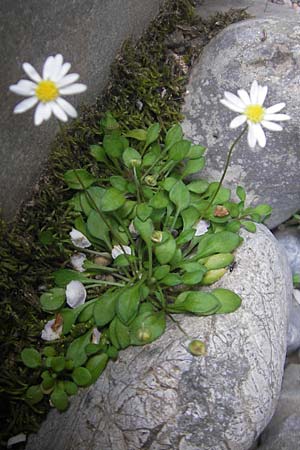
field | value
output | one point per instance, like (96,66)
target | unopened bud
(157,236)
(197,348)
(144,335)
(221,211)
(150,180)
(135,162)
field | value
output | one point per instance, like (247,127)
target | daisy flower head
(46,91)
(251,111)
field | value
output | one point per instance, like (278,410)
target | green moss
(147,85)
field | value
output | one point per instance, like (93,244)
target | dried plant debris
(148,81)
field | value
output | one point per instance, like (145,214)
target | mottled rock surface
(266,50)
(289,240)
(283,432)
(160,397)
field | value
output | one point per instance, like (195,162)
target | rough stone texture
(293,336)
(160,397)
(289,240)
(266,50)
(283,432)
(88,34)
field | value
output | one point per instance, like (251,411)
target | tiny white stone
(75,294)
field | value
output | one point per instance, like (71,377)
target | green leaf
(76,350)
(79,179)
(119,334)
(95,365)
(131,157)
(168,183)
(69,317)
(165,250)
(104,309)
(212,276)
(98,153)
(249,226)
(222,242)
(112,200)
(53,300)
(144,228)
(127,303)
(180,196)
(70,387)
(147,327)
(186,236)
(58,363)
(218,261)
(49,351)
(143,211)
(87,312)
(151,155)
(34,394)
(31,358)
(174,135)
(91,199)
(179,150)
(64,276)
(109,123)
(196,151)
(222,196)
(191,278)
(138,134)
(263,210)
(198,186)
(118,182)
(82,376)
(159,200)
(193,166)
(114,145)
(240,192)
(172,279)
(98,228)
(161,271)
(233,226)
(152,133)
(59,399)
(189,216)
(196,302)
(229,300)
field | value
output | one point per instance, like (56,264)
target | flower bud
(144,335)
(221,211)
(197,348)
(150,180)
(212,276)
(157,236)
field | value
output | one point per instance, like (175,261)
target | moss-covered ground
(147,84)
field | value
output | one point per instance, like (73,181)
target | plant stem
(226,165)
(101,283)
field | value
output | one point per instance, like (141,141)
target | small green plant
(147,237)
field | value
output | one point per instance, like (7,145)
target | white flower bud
(75,294)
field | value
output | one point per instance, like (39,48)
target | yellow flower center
(255,113)
(46,91)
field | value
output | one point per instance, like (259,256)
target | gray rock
(88,34)
(289,240)
(160,397)
(266,50)
(293,336)
(283,432)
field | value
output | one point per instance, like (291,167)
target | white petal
(26,104)
(31,72)
(260,135)
(68,79)
(244,96)
(96,336)
(251,137)
(57,66)
(59,112)
(67,107)
(77,261)
(76,88)
(48,68)
(78,239)
(48,334)
(21,437)
(262,93)
(276,117)
(271,126)
(24,87)
(47,110)
(231,106)
(39,114)
(201,227)
(75,294)
(234,99)
(120,250)
(237,121)
(275,108)
(64,70)
(254,92)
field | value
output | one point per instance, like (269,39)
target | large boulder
(160,397)
(266,50)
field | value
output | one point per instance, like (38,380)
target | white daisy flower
(75,294)
(46,91)
(78,239)
(118,250)
(253,113)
